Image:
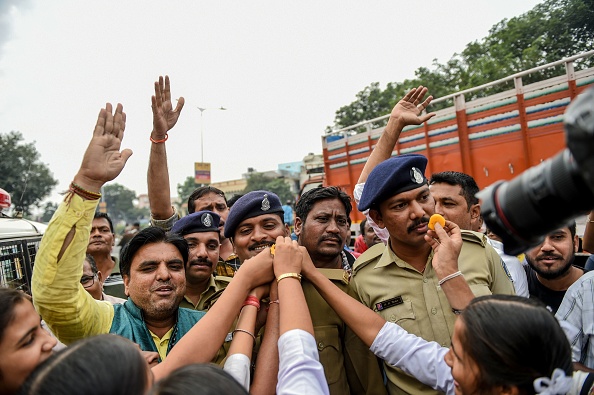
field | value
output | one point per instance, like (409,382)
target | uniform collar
(389,257)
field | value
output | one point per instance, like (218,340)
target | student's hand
(261,291)
(307,265)
(257,270)
(287,256)
(408,110)
(103,160)
(164,117)
(447,244)
(151,357)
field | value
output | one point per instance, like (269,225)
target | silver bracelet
(245,331)
(451,276)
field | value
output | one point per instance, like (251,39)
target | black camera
(550,195)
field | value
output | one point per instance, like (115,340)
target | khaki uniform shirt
(415,301)
(349,366)
(215,287)
(207,299)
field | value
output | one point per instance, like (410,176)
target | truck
(491,138)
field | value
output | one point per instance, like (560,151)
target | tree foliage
(48,211)
(185,190)
(120,203)
(258,181)
(22,174)
(552,30)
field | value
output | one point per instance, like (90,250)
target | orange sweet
(434,219)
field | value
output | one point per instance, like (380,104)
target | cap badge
(416,175)
(206,220)
(265,203)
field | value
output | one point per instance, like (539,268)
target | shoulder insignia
(336,275)
(223,279)
(506,270)
(474,237)
(369,256)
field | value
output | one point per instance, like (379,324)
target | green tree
(258,181)
(185,190)
(22,174)
(551,31)
(48,211)
(120,202)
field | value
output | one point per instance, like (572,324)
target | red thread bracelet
(252,301)
(159,141)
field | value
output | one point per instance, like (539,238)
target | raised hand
(408,110)
(164,117)
(447,244)
(103,160)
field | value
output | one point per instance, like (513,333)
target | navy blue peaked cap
(395,175)
(252,204)
(200,221)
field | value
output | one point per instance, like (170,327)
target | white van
(19,242)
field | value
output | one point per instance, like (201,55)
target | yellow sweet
(435,218)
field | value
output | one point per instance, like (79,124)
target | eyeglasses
(88,281)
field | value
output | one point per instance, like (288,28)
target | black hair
(572,228)
(311,197)
(89,258)
(467,184)
(146,236)
(99,214)
(362,225)
(104,364)
(233,199)
(513,340)
(199,192)
(9,298)
(210,379)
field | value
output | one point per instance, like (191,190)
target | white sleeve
(300,371)
(238,366)
(421,359)
(382,233)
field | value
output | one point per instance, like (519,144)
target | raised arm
(58,296)
(406,112)
(164,119)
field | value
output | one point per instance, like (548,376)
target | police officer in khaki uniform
(254,223)
(397,279)
(201,231)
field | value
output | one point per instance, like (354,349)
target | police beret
(200,221)
(252,204)
(398,174)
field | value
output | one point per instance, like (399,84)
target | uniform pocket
(330,351)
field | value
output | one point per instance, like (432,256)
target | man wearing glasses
(92,282)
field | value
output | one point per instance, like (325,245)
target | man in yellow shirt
(152,264)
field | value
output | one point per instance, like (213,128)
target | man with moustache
(321,224)
(201,231)
(397,280)
(550,269)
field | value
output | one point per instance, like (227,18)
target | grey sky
(281,68)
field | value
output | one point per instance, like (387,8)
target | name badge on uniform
(384,304)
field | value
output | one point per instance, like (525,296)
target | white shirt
(515,268)
(577,312)
(238,366)
(414,355)
(300,371)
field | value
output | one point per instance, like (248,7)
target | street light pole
(202,109)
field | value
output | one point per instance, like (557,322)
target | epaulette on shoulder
(223,279)
(368,256)
(474,237)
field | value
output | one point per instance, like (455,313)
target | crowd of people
(223,300)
